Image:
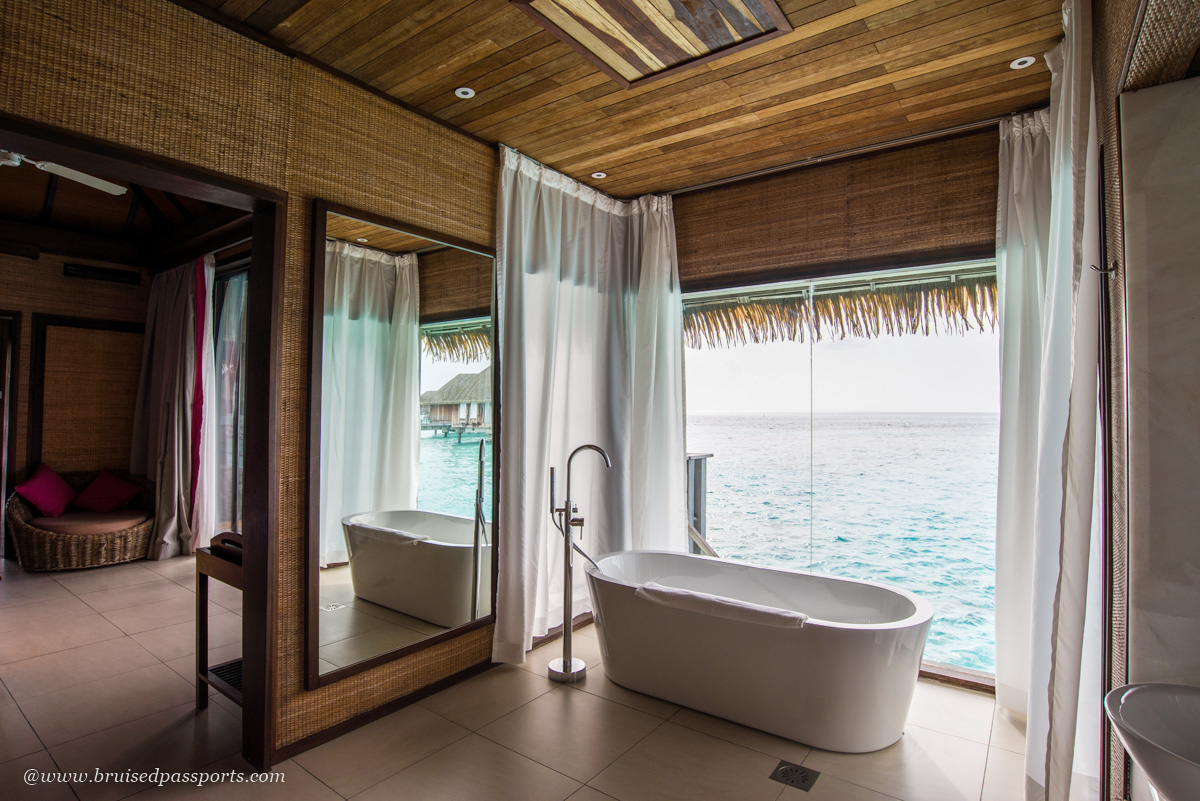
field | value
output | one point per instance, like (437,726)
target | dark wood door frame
(264,347)
(10,372)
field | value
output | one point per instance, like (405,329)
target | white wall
(1160,148)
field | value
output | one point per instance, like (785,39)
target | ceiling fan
(9,159)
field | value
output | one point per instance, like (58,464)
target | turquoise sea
(907,499)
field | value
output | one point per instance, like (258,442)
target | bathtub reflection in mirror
(401,508)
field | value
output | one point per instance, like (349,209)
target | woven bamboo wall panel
(454,283)
(40,287)
(91,383)
(921,204)
(1166,43)
(151,76)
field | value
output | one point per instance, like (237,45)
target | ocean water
(906,499)
(449,473)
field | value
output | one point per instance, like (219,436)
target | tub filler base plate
(567,674)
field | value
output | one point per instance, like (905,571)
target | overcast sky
(943,373)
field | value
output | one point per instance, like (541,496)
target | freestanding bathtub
(843,681)
(419,563)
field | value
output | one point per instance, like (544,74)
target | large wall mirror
(402,420)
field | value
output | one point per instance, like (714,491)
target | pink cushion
(108,492)
(90,522)
(47,490)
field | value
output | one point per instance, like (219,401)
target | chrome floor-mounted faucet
(568,669)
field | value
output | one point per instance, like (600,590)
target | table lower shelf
(226,678)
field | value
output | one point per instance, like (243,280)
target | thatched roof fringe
(916,308)
(457,345)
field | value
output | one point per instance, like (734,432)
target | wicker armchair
(39,550)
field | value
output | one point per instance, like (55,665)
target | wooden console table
(227,676)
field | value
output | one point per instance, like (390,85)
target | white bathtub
(842,682)
(419,563)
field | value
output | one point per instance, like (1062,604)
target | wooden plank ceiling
(850,73)
(364,233)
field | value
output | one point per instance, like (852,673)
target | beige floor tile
(41,614)
(175,566)
(297,785)
(13,780)
(585,648)
(473,768)
(15,592)
(924,765)
(831,788)
(228,705)
(478,701)
(586,793)
(172,642)
(220,594)
(63,634)
(675,763)
(597,682)
(140,594)
(325,666)
(81,582)
(368,755)
(17,738)
(576,734)
(587,631)
(753,739)
(136,619)
(5,696)
(66,715)
(952,710)
(40,675)
(181,738)
(344,623)
(1008,731)
(1004,778)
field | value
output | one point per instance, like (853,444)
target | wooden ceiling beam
(208,234)
(48,200)
(157,215)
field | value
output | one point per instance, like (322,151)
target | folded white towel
(717,606)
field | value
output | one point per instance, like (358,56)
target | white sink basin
(1159,724)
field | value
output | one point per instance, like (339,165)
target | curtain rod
(814,160)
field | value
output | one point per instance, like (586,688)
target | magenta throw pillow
(108,492)
(47,490)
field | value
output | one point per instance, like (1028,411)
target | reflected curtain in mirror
(369,388)
(229,310)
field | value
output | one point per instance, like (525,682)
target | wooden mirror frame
(313,678)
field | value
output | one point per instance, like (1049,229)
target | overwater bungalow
(236,234)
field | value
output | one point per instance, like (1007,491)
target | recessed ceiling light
(1023,62)
(360,239)
(599,175)
(465,92)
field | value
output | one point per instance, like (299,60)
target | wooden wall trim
(37,371)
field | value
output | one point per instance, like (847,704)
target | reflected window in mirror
(405,493)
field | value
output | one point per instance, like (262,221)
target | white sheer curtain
(370,390)
(173,431)
(230,399)
(590,319)
(1048,610)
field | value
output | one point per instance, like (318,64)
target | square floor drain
(332,607)
(795,776)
